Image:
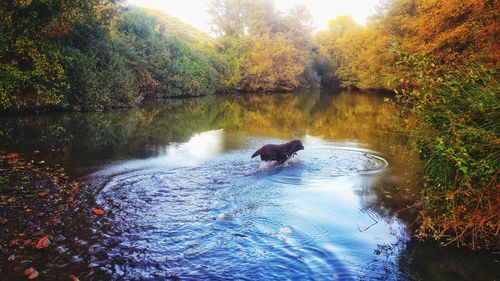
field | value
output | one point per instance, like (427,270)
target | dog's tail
(256,153)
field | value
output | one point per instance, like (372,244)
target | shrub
(460,200)
(95,69)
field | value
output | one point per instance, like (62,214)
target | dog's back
(258,152)
(278,152)
(267,152)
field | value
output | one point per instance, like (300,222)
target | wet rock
(60,238)
(77,258)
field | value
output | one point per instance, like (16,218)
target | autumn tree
(237,18)
(456,32)
(272,65)
(31,73)
(333,52)
(452,33)
(265,50)
(58,53)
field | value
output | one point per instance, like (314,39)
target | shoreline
(36,202)
(57,109)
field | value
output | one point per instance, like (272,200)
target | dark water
(184,200)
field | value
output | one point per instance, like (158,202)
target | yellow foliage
(272,65)
(451,32)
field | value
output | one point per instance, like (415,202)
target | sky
(195,13)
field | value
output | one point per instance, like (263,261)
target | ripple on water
(226,218)
(321,163)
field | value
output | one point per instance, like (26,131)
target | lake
(184,200)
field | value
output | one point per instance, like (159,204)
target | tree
(163,65)
(452,33)
(58,53)
(333,53)
(272,65)
(264,50)
(237,18)
(31,73)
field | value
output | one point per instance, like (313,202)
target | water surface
(184,200)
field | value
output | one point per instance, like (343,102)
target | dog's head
(296,145)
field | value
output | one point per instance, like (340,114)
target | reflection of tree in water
(370,122)
(278,115)
(425,261)
(83,138)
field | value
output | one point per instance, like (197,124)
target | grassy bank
(460,199)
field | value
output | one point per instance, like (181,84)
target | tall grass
(460,200)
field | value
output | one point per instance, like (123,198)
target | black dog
(279,152)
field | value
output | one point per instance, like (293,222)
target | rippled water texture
(221,215)
(183,198)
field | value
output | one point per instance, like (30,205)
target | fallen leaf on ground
(43,243)
(98,212)
(73,278)
(31,273)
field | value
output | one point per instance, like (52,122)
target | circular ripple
(318,164)
(225,213)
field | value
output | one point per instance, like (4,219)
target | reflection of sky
(305,214)
(326,211)
(330,214)
(310,140)
(200,147)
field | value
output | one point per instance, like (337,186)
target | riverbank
(58,109)
(36,201)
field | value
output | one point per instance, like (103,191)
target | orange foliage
(57,29)
(272,65)
(452,33)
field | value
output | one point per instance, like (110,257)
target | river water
(184,200)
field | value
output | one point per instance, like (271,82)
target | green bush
(460,200)
(31,74)
(95,69)
(164,66)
